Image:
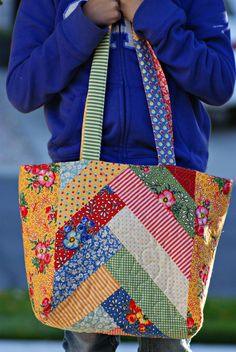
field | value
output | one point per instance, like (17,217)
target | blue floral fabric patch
(94,253)
(75,237)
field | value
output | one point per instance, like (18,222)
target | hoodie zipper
(120,49)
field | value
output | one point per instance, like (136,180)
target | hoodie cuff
(154,17)
(81,32)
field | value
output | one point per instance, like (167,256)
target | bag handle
(157,95)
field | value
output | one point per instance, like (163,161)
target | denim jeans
(93,342)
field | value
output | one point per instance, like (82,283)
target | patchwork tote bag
(121,249)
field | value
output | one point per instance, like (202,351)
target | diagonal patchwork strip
(85,185)
(87,297)
(160,179)
(95,252)
(118,306)
(153,259)
(153,302)
(159,221)
(96,213)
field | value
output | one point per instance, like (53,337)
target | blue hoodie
(51,55)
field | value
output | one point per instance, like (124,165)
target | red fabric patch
(186,177)
(100,209)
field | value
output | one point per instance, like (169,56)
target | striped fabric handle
(157,94)
(94,105)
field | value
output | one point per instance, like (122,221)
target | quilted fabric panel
(124,238)
(84,300)
(95,252)
(212,201)
(38,203)
(90,179)
(128,316)
(160,222)
(152,257)
(162,183)
(85,223)
(138,284)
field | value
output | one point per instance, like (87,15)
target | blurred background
(23,140)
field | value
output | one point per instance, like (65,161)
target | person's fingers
(117,3)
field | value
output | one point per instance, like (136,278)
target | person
(51,55)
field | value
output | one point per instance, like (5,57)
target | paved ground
(23,139)
(27,346)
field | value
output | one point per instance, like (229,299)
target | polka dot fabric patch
(90,179)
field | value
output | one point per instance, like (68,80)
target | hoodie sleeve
(45,57)
(194,45)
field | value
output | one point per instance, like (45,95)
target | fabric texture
(134,244)
(114,258)
(190,38)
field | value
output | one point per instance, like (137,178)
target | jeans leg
(89,342)
(147,344)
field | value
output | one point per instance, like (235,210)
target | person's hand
(129,7)
(102,12)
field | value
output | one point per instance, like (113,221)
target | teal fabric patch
(97,320)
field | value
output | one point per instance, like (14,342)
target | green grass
(219,322)
(17,320)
